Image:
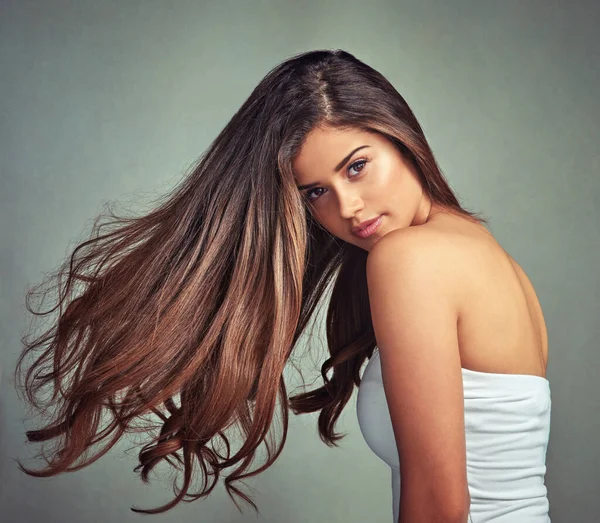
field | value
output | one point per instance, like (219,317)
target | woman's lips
(369,229)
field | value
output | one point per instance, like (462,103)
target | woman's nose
(349,204)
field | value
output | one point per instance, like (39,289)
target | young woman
(192,311)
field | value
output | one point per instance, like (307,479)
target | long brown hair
(191,312)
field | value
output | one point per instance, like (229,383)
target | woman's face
(355,176)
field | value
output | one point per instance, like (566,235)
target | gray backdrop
(109,100)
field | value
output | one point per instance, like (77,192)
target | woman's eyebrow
(343,162)
(336,169)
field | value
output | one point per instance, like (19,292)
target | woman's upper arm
(413,301)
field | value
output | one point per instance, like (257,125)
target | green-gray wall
(106,100)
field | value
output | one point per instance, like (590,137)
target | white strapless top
(507,427)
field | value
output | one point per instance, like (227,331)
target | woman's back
(501,327)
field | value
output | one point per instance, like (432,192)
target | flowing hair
(191,311)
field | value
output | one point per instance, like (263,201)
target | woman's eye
(358,165)
(308,194)
(359,162)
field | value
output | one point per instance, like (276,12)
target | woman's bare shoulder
(436,252)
